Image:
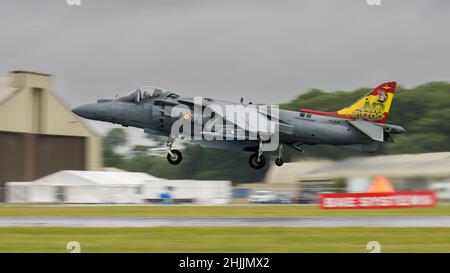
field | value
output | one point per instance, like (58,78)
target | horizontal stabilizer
(371,130)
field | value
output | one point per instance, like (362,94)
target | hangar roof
(36,112)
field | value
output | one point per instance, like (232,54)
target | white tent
(115,187)
(81,187)
(17,191)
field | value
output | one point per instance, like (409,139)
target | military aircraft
(361,126)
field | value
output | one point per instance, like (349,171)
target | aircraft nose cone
(86,111)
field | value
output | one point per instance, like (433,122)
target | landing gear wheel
(279,162)
(176,158)
(255,163)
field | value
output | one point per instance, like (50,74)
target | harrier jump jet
(361,126)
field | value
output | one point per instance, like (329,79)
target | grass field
(216,239)
(207,211)
(245,239)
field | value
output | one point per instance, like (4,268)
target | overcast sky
(266,51)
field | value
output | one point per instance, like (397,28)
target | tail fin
(374,106)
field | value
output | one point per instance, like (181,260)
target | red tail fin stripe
(388,87)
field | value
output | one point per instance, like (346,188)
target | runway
(425,221)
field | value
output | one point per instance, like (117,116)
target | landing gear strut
(279,161)
(257,160)
(173,156)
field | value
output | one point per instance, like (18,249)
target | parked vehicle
(283,198)
(442,190)
(305,198)
(262,197)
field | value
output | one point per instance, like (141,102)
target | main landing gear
(258,161)
(173,156)
(279,161)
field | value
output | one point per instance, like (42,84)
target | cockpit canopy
(146,93)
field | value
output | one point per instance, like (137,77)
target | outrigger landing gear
(257,160)
(173,156)
(279,161)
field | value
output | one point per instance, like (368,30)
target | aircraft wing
(371,130)
(249,118)
(245,117)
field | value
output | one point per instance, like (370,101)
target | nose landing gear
(173,156)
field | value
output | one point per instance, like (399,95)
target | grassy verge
(208,211)
(215,239)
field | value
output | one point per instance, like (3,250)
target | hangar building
(39,134)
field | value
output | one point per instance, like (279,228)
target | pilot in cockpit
(157,93)
(146,95)
(141,95)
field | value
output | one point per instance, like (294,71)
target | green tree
(111,159)
(159,141)
(115,137)
(140,148)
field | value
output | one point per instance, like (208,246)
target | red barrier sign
(387,200)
